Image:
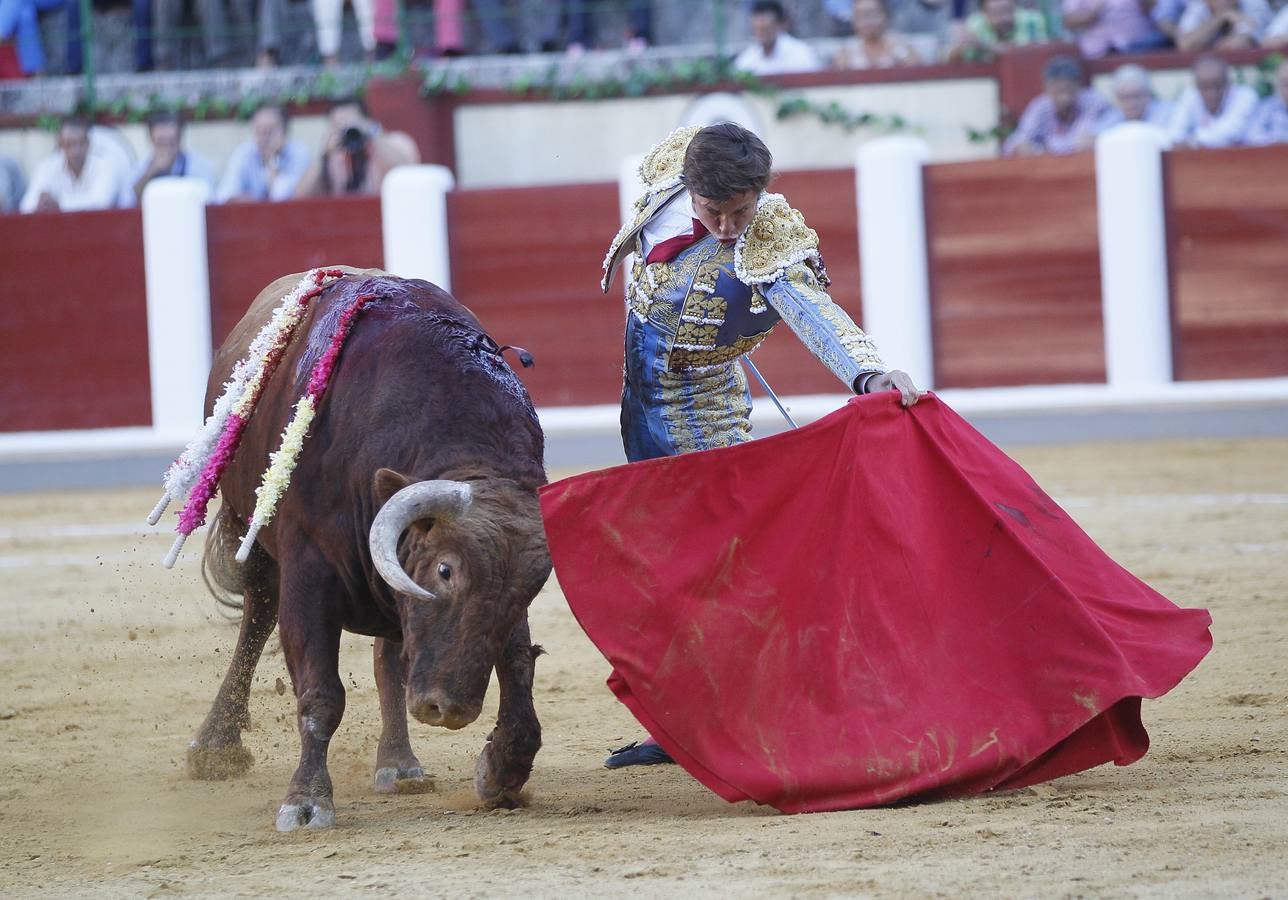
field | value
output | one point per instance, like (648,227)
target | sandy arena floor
(108,663)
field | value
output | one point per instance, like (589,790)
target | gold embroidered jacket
(714,302)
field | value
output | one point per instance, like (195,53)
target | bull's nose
(436,710)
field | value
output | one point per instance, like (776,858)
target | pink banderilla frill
(282,462)
(202,464)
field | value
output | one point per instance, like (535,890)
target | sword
(768,390)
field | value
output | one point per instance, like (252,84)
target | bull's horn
(421,500)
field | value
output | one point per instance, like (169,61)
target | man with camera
(357,153)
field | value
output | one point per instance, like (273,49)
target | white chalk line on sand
(72,560)
(1161,500)
(107,529)
(66,560)
(127,529)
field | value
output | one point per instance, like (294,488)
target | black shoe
(636,754)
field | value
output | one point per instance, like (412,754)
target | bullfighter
(718,262)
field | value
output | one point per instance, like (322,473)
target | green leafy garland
(680,75)
(326,85)
(676,76)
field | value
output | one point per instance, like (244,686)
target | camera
(354,140)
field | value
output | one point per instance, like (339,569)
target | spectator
(639,24)
(922,17)
(267,167)
(1134,100)
(497,20)
(20,20)
(224,25)
(1222,24)
(142,15)
(328,17)
(1063,119)
(1112,26)
(1166,15)
(77,176)
(874,46)
(1270,121)
(168,159)
(997,25)
(12,184)
(1212,112)
(774,51)
(358,153)
(929,18)
(1052,16)
(1276,37)
(272,14)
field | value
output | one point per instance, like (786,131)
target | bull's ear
(386,483)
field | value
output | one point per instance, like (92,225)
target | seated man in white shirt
(77,176)
(1213,112)
(1134,100)
(775,52)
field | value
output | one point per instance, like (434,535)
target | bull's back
(261,310)
(399,391)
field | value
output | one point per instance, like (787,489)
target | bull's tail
(223,575)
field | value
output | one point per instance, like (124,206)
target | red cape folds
(880,605)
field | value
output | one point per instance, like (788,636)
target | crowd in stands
(882,33)
(91,170)
(1214,111)
(227,28)
(888,33)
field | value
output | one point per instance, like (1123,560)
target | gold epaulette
(660,171)
(662,166)
(776,239)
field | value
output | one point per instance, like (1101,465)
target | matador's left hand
(896,380)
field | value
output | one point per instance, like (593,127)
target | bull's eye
(445,571)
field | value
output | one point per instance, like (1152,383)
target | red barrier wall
(1014,260)
(527,262)
(1229,259)
(252,244)
(1015,272)
(73,321)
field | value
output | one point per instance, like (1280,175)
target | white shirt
(789,55)
(1197,12)
(98,187)
(1278,25)
(672,220)
(1191,123)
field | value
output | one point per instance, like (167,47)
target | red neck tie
(670,248)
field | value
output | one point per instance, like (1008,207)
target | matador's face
(726,219)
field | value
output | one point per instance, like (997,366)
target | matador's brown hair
(725,160)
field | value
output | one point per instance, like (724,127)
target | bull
(412,517)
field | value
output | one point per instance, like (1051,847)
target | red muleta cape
(880,605)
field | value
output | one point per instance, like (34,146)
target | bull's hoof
(399,780)
(218,763)
(492,792)
(306,814)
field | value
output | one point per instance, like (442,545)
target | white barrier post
(1133,256)
(413,223)
(178,296)
(892,253)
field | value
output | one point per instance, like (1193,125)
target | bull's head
(464,559)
